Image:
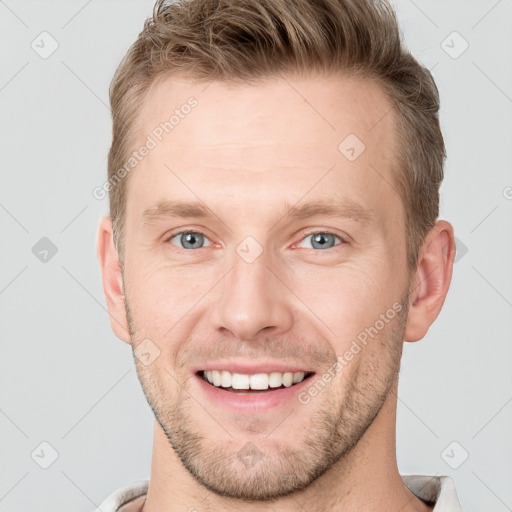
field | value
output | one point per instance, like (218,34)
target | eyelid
(168,237)
(306,234)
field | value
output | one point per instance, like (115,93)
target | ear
(432,280)
(112,279)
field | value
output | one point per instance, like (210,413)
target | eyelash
(306,235)
(340,238)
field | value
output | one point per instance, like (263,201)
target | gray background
(67,381)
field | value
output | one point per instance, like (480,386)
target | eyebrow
(182,209)
(345,208)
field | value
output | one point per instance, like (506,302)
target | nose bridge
(252,298)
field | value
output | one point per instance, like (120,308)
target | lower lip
(251,402)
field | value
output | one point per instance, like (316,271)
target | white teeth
(225,379)
(287,379)
(275,380)
(216,378)
(259,381)
(298,377)
(239,381)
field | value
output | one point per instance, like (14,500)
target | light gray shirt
(438,490)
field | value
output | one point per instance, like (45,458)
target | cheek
(348,298)
(160,296)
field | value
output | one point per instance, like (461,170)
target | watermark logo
(44,250)
(454,45)
(147,352)
(249,455)
(44,45)
(461,249)
(249,249)
(351,147)
(454,455)
(44,455)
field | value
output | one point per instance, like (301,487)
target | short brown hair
(248,40)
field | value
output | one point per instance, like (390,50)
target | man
(272,241)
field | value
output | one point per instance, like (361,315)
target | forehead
(272,141)
(324,107)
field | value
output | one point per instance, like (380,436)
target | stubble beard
(328,435)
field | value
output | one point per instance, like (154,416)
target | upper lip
(247,368)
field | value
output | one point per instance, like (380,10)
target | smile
(238,382)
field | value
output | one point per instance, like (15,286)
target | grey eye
(322,240)
(189,240)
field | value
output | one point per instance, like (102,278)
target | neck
(367,478)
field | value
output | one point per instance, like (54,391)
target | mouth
(239,383)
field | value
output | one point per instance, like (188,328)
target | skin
(249,153)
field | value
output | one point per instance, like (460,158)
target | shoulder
(438,490)
(126,499)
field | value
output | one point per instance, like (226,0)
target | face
(262,239)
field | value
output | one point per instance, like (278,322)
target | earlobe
(112,279)
(432,280)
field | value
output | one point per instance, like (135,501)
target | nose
(253,300)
